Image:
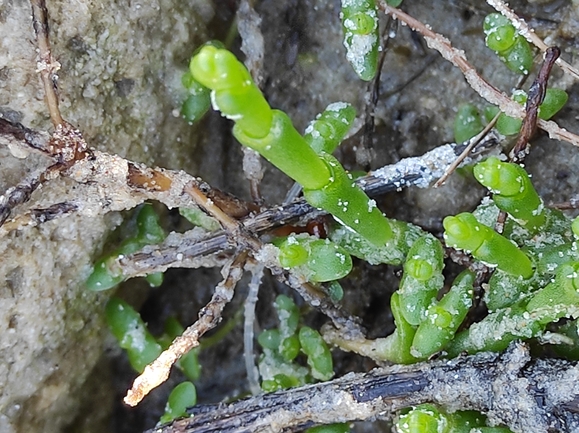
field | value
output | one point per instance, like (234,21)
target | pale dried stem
(467,150)
(486,90)
(46,66)
(158,371)
(528,33)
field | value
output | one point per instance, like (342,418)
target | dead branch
(535,99)
(486,90)
(158,371)
(527,396)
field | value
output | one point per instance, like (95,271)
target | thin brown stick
(535,98)
(158,371)
(486,90)
(529,34)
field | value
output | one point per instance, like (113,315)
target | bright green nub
(418,268)
(362,24)
(425,418)
(465,232)
(460,232)
(291,255)
(361,36)
(513,191)
(233,91)
(500,33)
(321,259)
(219,69)
(326,132)
(500,177)
(349,205)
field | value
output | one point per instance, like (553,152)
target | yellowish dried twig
(158,371)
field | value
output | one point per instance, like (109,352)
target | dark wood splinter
(534,100)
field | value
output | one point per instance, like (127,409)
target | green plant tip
(361,36)
(500,177)
(425,418)
(500,33)
(233,91)
(129,329)
(419,269)
(292,255)
(182,397)
(513,192)
(465,232)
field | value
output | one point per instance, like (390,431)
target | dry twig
(527,396)
(158,371)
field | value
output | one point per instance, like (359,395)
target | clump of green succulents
(325,183)
(512,48)
(536,247)
(282,345)
(469,122)
(516,53)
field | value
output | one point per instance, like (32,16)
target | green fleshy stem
(330,127)
(563,291)
(233,91)
(463,231)
(104,276)
(513,191)
(271,133)
(443,318)
(129,329)
(422,278)
(523,320)
(285,148)
(288,314)
(319,356)
(349,205)
(361,36)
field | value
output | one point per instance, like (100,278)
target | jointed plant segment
(270,132)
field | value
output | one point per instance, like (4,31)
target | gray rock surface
(120,84)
